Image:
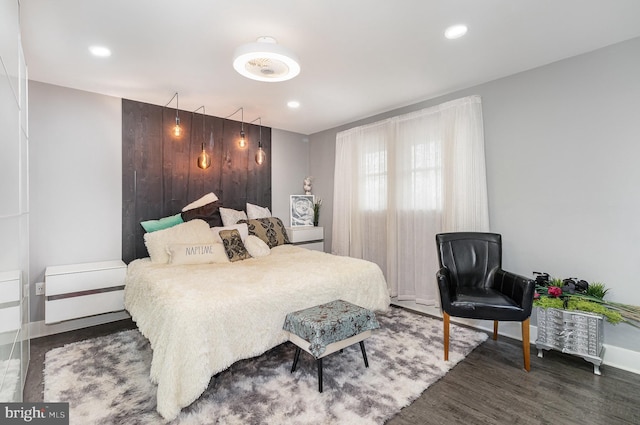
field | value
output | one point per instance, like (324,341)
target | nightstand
(80,290)
(307,237)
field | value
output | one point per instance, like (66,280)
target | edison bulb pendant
(204,160)
(261,156)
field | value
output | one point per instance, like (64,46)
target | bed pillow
(163,223)
(233,245)
(242,228)
(193,232)
(206,199)
(256,246)
(231,217)
(270,230)
(187,253)
(209,213)
(255,211)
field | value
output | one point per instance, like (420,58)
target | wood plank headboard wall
(159,171)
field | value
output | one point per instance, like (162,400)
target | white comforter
(200,319)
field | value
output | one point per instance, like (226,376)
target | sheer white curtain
(400,181)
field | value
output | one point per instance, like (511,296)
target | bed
(201,318)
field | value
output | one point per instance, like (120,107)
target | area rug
(106,380)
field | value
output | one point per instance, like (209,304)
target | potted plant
(316,211)
(579,295)
(570,315)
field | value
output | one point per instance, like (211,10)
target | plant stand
(573,332)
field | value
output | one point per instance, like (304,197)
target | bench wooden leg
(296,356)
(319,375)
(364,354)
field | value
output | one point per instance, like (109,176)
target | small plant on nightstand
(316,212)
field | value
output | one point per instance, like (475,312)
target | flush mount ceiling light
(266,60)
(455,31)
(293,104)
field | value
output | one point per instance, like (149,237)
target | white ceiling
(358,57)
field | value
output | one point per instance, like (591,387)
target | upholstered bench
(327,328)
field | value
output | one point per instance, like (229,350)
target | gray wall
(290,166)
(76,178)
(562,151)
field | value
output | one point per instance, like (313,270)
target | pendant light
(177,130)
(261,156)
(204,160)
(242,143)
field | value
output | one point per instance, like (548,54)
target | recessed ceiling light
(100,51)
(293,104)
(455,31)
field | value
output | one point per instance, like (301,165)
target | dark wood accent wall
(159,171)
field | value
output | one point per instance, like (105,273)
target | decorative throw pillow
(233,245)
(242,228)
(186,253)
(254,211)
(270,230)
(256,246)
(163,223)
(209,213)
(231,217)
(193,232)
(206,199)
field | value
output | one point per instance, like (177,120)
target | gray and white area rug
(106,379)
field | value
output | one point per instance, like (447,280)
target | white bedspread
(200,319)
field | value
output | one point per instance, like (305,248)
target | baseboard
(618,357)
(40,329)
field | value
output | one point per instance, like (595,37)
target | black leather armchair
(473,285)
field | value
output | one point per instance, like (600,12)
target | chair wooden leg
(445,318)
(526,349)
(495,330)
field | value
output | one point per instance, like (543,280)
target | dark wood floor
(488,387)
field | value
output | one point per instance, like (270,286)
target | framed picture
(301,210)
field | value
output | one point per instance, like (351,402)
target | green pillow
(164,223)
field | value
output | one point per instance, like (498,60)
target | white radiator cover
(80,290)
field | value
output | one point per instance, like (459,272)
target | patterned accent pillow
(233,245)
(241,228)
(269,229)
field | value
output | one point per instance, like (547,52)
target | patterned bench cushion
(328,323)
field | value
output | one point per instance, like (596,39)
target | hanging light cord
(204,112)
(174,96)
(260,137)
(235,112)
(177,127)
(177,98)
